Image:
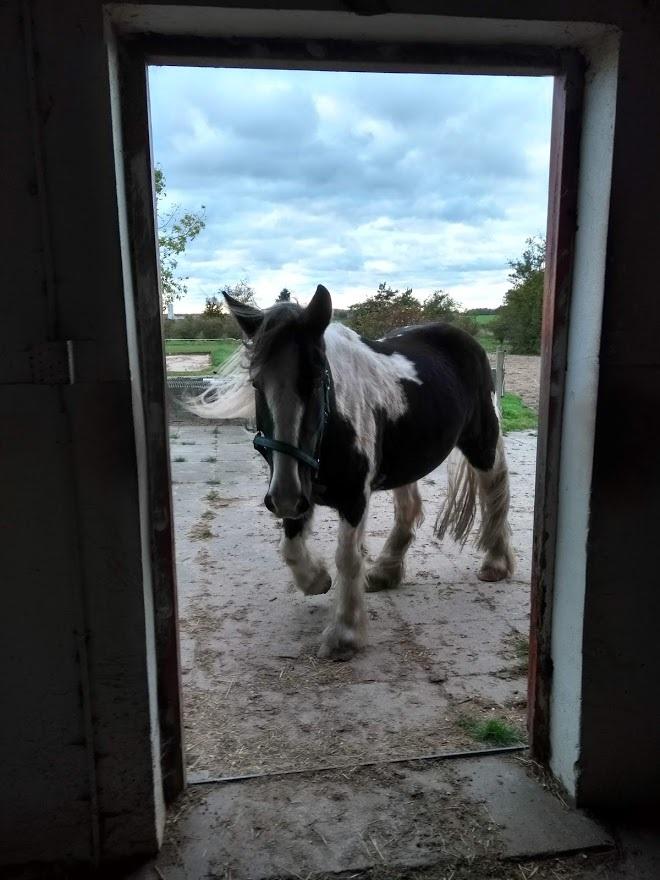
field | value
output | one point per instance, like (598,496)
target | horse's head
(288,370)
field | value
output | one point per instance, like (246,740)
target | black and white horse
(339,417)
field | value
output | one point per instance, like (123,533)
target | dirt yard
(188,363)
(522,374)
(445,650)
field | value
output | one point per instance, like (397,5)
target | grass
(515,415)
(219,349)
(492,732)
(179,458)
(485,335)
(212,496)
(519,647)
(200,532)
(487,341)
(483,320)
(210,459)
(213,482)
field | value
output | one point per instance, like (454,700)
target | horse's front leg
(346,634)
(309,572)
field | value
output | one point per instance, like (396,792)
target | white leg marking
(387,571)
(346,633)
(309,572)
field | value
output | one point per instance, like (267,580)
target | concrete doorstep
(390,817)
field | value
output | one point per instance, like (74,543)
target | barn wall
(79,775)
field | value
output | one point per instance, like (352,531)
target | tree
(213,307)
(241,291)
(519,320)
(440,307)
(391,308)
(284,295)
(387,309)
(175,232)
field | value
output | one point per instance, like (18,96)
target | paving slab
(530,820)
(394,816)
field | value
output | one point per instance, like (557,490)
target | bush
(390,309)
(467,323)
(202,327)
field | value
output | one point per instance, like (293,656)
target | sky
(351,179)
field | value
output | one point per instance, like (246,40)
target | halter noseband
(263,443)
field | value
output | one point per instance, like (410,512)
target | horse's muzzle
(287,509)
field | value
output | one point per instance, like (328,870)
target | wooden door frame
(135,53)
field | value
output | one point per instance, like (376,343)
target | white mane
(229,395)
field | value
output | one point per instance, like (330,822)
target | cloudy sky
(350,179)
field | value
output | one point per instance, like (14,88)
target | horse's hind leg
(485,472)
(387,571)
(494,534)
(309,572)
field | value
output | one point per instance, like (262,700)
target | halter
(263,443)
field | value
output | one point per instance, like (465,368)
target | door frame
(135,52)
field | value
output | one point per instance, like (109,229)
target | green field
(219,349)
(515,415)
(485,335)
(483,320)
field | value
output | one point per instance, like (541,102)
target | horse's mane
(229,394)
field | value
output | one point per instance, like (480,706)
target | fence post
(499,374)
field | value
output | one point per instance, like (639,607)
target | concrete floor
(447,815)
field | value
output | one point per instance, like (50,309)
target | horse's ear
(249,318)
(319,311)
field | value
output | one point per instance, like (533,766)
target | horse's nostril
(268,501)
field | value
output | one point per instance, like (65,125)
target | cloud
(349,179)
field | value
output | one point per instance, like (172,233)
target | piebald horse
(339,416)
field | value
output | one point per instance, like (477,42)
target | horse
(339,416)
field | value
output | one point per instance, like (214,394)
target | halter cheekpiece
(262,443)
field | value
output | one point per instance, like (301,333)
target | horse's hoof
(378,580)
(339,643)
(319,584)
(493,571)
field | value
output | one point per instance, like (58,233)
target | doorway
(367,182)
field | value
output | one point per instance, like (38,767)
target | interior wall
(77,780)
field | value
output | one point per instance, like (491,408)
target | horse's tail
(466,485)
(460,508)
(229,395)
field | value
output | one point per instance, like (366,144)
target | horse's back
(450,405)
